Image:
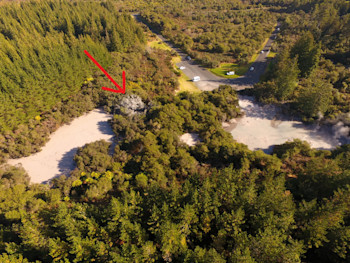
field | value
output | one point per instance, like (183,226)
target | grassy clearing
(185,84)
(271,54)
(239,70)
(176,60)
(158,44)
(253,58)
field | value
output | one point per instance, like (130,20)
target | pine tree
(286,75)
(307,53)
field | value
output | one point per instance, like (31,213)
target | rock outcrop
(131,105)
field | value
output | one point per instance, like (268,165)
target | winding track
(209,81)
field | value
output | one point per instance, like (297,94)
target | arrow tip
(120,89)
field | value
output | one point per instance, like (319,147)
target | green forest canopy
(41,52)
(212,32)
(311,73)
(156,199)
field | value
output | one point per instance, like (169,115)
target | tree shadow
(105,127)
(65,165)
(267,150)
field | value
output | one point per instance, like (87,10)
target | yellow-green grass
(176,60)
(221,71)
(239,70)
(264,44)
(185,84)
(271,54)
(253,58)
(158,44)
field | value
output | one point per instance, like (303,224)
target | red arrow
(120,89)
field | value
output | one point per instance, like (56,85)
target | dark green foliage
(159,200)
(316,33)
(286,76)
(307,53)
(282,80)
(26,139)
(342,154)
(42,57)
(149,73)
(42,54)
(156,199)
(95,156)
(289,150)
(315,97)
(231,31)
(10,176)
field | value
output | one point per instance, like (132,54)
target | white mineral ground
(190,138)
(56,157)
(260,128)
(264,126)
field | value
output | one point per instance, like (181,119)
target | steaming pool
(264,126)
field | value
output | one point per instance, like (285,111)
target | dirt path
(56,157)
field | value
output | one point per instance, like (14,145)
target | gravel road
(56,157)
(209,81)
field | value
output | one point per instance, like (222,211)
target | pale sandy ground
(190,139)
(56,157)
(260,128)
(263,126)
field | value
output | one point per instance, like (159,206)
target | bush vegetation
(158,200)
(211,32)
(46,84)
(311,73)
(153,198)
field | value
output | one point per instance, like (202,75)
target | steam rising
(264,126)
(341,131)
